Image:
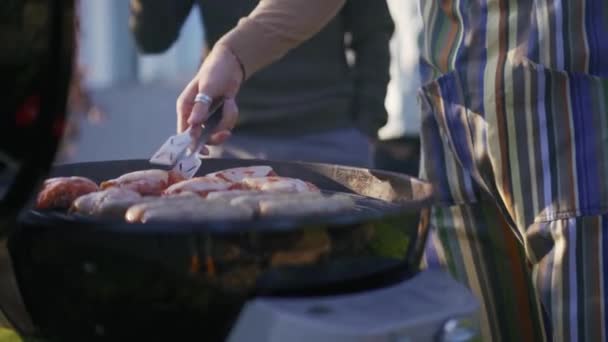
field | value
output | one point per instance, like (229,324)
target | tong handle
(215,117)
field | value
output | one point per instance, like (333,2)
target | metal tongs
(180,150)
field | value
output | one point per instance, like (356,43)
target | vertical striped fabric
(515,138)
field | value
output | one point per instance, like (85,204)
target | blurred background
(125,105)
(128,105)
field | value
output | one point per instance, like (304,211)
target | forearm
(275,27)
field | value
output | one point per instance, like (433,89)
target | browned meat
(60,192)
(146,182)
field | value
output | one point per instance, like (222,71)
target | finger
(204,151)
(195,132)
(184,104)
(200,110)
(199,114)
(219,138)
(230,114)
(228,121)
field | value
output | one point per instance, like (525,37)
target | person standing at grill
(313,104)
(514,138)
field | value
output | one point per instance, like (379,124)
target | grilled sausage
(60,192)
(200,186)
(109,203)
(278,184)
(146,182)
(237,174)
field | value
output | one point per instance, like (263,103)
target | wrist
(241,74)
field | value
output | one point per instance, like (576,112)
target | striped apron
(515,139)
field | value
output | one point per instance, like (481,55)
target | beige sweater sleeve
(276,26)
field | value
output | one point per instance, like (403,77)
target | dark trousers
(398,155)
(341,146)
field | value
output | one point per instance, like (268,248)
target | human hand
(220,76)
